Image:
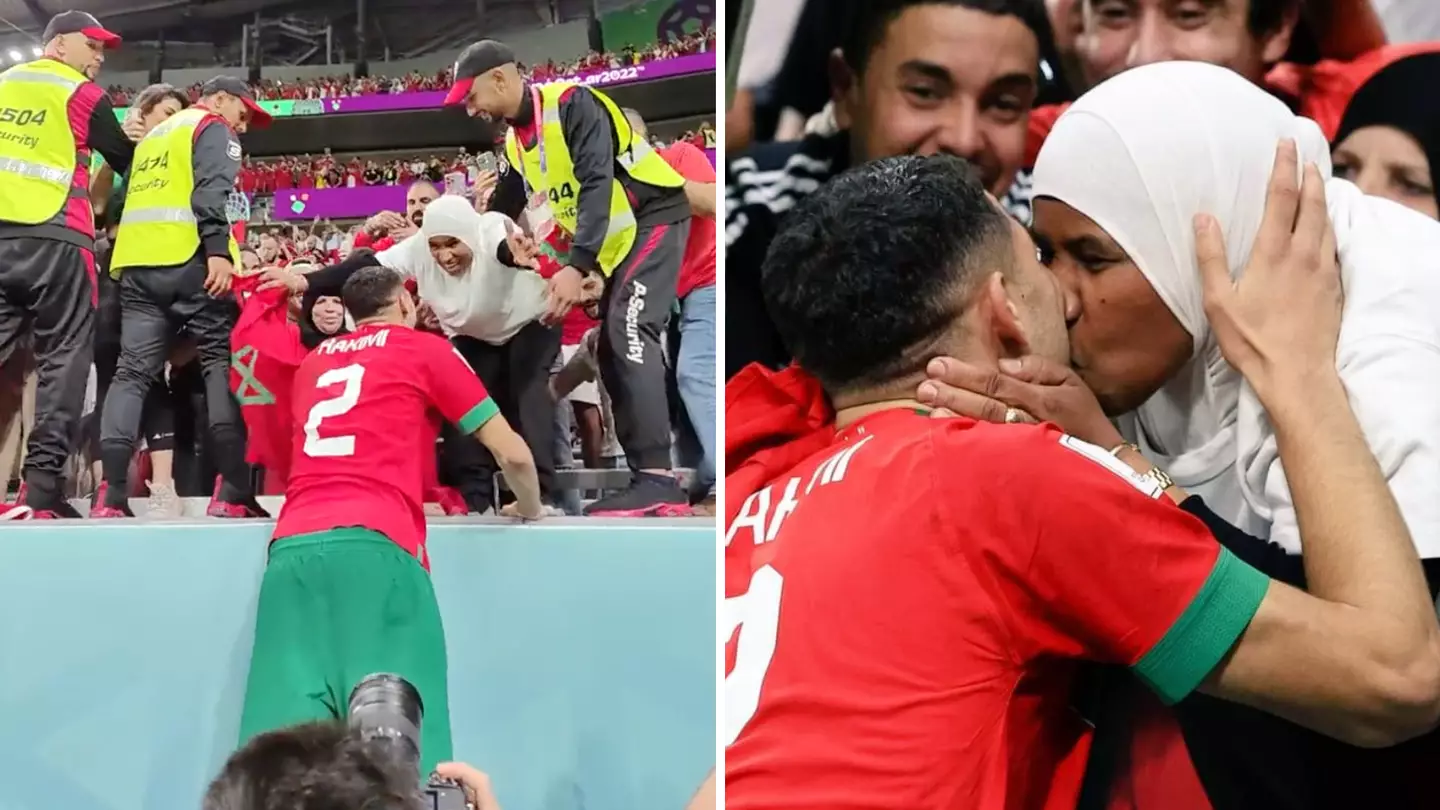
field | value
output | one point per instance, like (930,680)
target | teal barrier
(582,659)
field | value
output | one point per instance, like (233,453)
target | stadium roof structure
(401,27)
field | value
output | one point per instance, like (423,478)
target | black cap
(259,118)
(475,60)
(78,22)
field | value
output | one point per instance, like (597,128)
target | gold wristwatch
(1161,478)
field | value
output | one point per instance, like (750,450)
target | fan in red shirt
(367,408)
(908,597)
(698,267)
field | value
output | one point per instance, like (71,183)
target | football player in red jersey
(908,597)
(347,592)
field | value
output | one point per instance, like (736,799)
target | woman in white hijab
(459,271)
(1117,186)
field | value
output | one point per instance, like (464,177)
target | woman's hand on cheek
(1279,322)
(1038,388)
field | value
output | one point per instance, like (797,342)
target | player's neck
(845,417)
(378,320)
(852,406)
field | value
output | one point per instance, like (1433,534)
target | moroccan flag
(265,350)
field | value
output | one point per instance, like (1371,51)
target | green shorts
(334,607)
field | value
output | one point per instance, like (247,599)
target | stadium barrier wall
(582,659)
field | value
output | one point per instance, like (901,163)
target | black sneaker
(46,506)
(649,495)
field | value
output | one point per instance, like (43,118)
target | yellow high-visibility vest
(38,152)
(158,226)
(548,168)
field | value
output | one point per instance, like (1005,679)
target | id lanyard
(539,129)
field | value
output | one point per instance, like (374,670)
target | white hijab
(489,302)
(1147,150)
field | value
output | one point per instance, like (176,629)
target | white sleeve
(1392,383)
(494,227)
(402,256)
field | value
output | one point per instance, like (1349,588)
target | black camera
(387,708)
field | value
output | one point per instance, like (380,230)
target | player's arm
(1120,575)
(1358,657)
(459,395)
(516,461)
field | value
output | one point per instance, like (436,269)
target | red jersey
(367,410)
(908,606)
(697,269)
(266,350)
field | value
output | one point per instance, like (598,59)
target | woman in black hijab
(1388,143)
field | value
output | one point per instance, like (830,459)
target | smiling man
(918,77)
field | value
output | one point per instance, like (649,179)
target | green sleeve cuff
(1206,631)
(476,417)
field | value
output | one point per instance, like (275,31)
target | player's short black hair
(873,267)
(315,766)
(370,290)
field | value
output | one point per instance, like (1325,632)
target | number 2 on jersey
(333,446)
(756,614)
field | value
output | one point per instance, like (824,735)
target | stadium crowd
(417,82)
(1159,354)
(266,175)
(179,452)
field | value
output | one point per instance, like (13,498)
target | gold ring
(1014,415)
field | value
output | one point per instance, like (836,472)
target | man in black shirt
(911,77)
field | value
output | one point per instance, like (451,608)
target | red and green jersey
(909,604)
(367,412)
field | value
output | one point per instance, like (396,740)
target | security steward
(626,211)
(178,255)
(52,115)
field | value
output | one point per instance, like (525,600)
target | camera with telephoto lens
(388,709)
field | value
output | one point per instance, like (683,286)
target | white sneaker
(164,503)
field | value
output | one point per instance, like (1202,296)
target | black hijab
(1405,95)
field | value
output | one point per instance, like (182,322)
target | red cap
(79,22)
(476,60)
(459,91)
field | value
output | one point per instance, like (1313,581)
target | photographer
(325,765)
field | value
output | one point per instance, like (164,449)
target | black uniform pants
(634,311)
(155,303)
(47,290)
(158,422)
(517,376)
